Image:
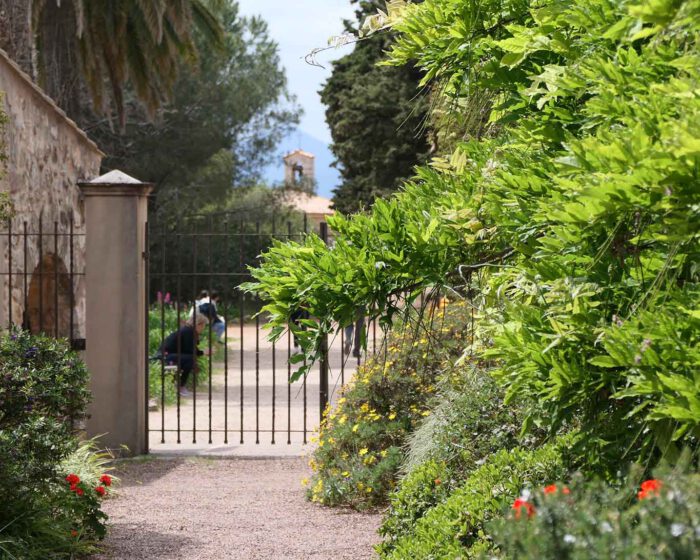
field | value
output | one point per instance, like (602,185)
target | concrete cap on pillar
(115,183)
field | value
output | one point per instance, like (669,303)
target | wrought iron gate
(241,393)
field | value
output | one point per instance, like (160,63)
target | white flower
(606,527)
(677,529)
(569,539)
(525,495)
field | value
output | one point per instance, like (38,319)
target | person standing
(353,334)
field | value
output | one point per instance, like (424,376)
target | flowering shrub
(43,391)
(455,527)
(360,445)
(659,519)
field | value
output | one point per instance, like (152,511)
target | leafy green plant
(596,521)
(574,228)
(455,527)
(469,424)
(43,392)
(360,444)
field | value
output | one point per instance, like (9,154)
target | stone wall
(47,155)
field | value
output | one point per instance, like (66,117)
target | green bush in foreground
(660,520)
(455,528)
(469,423)
(43,391)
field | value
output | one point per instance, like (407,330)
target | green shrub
(43,391)
(574,224)
(360,446)
(469,423)
(455,528)
(599,522)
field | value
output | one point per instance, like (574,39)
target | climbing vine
(573,231)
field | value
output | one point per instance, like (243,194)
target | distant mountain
(326,176)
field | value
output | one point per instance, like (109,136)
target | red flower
(649,487)
(106,480)
(552,489)
(438,481)
(100,490)
(72,479)
(73,533)
(79,491)
(73,487)
(518,506)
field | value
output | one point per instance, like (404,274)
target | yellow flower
(425,413)
(355,427)
(346,474)
(383,452)
(363,451)
(369,489)
(342,419)
(304,481)
(392,415)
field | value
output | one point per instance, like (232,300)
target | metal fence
(244,391)
(42,287)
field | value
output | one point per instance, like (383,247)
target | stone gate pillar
(116,212)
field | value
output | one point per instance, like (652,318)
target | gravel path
(213,509)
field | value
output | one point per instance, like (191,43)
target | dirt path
(214,509)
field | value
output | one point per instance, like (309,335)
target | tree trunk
(59,62)
(15,33)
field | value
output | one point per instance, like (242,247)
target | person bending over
(180,349)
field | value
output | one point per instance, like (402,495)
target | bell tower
(299,168)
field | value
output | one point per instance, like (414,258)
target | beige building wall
(47,155)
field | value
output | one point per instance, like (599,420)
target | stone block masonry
(47,156)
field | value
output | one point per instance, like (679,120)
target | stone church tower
(299,168)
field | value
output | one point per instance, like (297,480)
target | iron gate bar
(257,348)
(323,382)
(146,287)
(193,274)
(25,319)
(71,300)
(162,335)
(55,280)
(210,323)
(179,341)
(274,358)
(195,368)
(241,319)
(228,250)
(9,268)
(41,273)
(289,364)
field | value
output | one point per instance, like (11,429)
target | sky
(299,26)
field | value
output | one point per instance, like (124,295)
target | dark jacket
(187,338)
